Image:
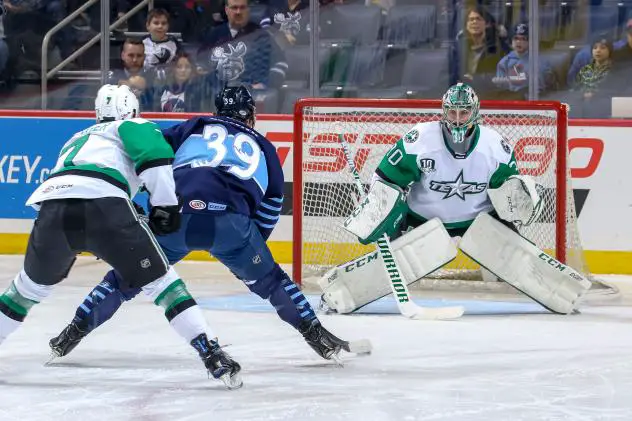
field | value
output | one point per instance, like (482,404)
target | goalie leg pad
(361,281)
(515,260)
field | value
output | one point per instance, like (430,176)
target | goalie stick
(406,306)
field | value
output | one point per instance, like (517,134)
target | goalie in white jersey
(85,206)
(451,178)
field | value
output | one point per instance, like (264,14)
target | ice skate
(327,345)
(219,364)
(66,341)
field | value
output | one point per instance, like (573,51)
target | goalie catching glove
(517,200)
(380,212)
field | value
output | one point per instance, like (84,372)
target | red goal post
(536,129)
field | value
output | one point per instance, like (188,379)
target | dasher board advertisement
(599,152)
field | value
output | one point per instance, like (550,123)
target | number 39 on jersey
(237,153)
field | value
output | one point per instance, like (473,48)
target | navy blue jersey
(221,165)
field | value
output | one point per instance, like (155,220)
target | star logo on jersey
(458,187)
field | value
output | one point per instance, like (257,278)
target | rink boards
(599,155)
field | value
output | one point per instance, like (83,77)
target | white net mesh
(370,128)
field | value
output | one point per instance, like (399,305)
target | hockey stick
(398,285)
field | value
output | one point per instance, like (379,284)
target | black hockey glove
(164,220)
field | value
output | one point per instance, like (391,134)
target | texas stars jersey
(112,159)
(442,184)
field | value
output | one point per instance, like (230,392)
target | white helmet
(116,103)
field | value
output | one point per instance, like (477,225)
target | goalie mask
(460,118)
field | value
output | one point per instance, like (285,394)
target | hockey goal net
(324,192)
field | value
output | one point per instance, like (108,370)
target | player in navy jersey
(230,181)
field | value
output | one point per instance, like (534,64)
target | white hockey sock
(191,323)
(17,300)
(181,310)
(7,326)
(29,289)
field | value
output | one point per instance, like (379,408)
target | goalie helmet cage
(324,193)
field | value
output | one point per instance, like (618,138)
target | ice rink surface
(501,361)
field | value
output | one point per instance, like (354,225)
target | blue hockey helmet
(236,102)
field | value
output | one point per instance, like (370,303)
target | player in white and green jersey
(112,159)
(451,178)
(85,206)
(448,165)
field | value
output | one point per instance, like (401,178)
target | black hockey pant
(107,227)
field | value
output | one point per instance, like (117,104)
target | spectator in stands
(290,21)
(624,52)
(593,74)
(137,22)
(237,18)
(512,73)
(182,92)
(132,59)
(26,23)
(620,76)
(477,50)
(201,14)
(584,56)
(40,16)
(241,51)
(160,49)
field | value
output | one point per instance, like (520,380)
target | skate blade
(51,358)
(232,382)
(337,360)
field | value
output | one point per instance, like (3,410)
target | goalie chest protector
(452,189)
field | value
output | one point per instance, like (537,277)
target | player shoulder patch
(411,136)
(505,145)
(426,165)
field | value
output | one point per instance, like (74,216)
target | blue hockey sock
(288,300)
(102,302)
(297,305)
